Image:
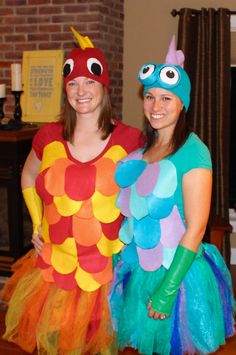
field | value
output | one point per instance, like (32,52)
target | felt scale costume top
(80,220)
(151,199)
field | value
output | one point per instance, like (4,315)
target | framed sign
(42,85)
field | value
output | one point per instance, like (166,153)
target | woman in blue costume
(171,293)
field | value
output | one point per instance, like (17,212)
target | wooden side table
(15,224)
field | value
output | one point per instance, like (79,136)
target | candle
(2,90)
(16,84)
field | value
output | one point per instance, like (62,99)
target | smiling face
(162,109)
(85,95)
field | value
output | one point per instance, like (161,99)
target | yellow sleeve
(34,205)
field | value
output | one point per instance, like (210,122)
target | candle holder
(18,111)
(2,99)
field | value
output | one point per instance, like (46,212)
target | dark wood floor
(11,349)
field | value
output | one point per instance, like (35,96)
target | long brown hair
(68,118)
(179,137)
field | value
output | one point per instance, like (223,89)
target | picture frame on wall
(42,80)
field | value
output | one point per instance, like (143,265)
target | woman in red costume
(58,296)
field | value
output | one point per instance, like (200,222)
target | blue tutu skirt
(202,318)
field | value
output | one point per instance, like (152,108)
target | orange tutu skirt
(41,315)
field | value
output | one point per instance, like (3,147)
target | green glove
(34,205)
(164,298)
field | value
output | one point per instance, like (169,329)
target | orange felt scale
(87,232)
(86,210)
(55,186)
(46,253)
(105,172)
(51,214)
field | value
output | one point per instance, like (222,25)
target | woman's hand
(37,242)
(154,314)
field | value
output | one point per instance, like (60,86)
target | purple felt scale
(172,228)
(150,259)
(147,180)
(123,201)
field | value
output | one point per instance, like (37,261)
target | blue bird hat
(169,76)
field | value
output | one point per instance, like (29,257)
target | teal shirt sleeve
(194,154)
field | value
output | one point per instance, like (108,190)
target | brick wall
(45,24)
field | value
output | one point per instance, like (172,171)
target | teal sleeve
(195,155)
